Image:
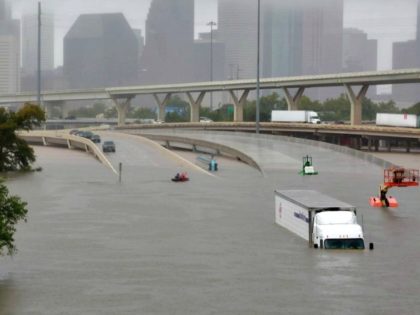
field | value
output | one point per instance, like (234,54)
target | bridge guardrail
(64,139)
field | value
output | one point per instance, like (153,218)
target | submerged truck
(323,221)
(303,116)
(398,120)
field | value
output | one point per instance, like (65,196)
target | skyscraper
(9,50)
(169,42)
(4,10)
(322,36)
(407,55)
(30,43)
(359,52)
(100,50)
(282,38)
(237,29)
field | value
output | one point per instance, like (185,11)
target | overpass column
(239,104)
(293,101)
(195,106)
(356,103)
(162,105)
(122,108)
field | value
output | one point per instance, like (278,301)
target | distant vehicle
(96,139)
(323,221)
(303,116)
(205,119)
(85,134)
(108,146)
(397,120)
(71,117)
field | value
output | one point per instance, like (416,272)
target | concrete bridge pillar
(293,101)
(238,114)
(122,108)
(195,105)
(356,103)
(162,104)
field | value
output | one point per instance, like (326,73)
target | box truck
(397,120)
(321,220)
(303,116)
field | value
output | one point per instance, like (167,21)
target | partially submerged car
(108,146)
(96,139)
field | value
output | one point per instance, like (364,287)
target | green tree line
(332,109)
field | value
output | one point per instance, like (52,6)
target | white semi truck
(397,120)
(323,221)
(303,116)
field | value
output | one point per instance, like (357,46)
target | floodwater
(146,245)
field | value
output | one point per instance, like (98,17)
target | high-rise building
(407,55)
(202,58)
(9,51)
(169,45)
(302,37)
(30,43)
(322,36)
(100,50)
(282,43)
(5,13)
(359,52)
(237,29)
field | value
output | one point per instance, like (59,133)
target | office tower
(282,44)
(169,45)
(359,52)
(5,13)
(322,36)
(100,50)
(407,55)
(9,51)
(202,47)
(237,29)
(30,43)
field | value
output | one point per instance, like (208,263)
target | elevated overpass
(368,136)
(355,85)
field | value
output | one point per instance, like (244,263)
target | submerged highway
(147,245)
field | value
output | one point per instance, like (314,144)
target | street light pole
(211,24)
(257,109)
(39,56)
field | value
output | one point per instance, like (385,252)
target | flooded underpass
(147,245)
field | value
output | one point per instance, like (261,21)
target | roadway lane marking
(165,151)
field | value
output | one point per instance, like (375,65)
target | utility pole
(257,114)
(211,24)
(39,56)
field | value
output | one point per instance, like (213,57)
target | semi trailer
(397,120)
(323,221)
(302,116)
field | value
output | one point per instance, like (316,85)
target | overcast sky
(385,20)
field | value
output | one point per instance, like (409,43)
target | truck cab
(337,230)
(313,118)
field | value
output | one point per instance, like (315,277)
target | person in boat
(183,176)
(177,177)
(383,191)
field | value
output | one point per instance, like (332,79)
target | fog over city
(372,16)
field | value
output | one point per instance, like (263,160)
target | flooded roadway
(209,246)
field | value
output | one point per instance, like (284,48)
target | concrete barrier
(65,140)
(221,149)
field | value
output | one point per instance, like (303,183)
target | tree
(12,210)
(415,109)
(15,153)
